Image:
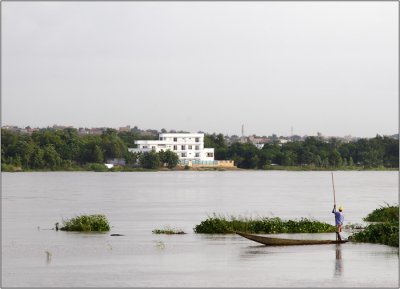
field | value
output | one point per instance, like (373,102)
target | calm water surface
(137,203)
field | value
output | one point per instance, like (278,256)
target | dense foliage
(51,149)
(385,232)
(313,152)
(87,223)
(48,149)
(222,225)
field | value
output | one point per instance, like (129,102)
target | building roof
(181,134)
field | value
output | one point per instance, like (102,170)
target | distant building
(83,131)
(125,129)
(188,146)
(61,127)
(97,130)
(258,141)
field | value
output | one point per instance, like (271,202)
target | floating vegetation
(86,223)
(385,232)
(382,233)
(222,225)
(169,231)
(384,214)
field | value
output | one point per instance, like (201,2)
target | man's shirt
(339,218)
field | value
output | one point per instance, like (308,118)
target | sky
(274,67)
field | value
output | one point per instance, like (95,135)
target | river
(138,202)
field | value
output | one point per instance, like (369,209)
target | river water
(137,203)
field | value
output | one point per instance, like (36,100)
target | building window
(210,155)
(197,148)
(144,147)
(184,155)
(153,148)
(197,139)
(175,139)
(175,147)
(197,155)
(190,148)
(183,147)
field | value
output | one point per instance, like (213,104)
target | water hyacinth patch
(383,233)
(222,225)
(168,231)
(384,214)
(386,231)
(87,223)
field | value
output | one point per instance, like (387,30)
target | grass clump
(168,231)
(87,223)
(385,232)
(222,225)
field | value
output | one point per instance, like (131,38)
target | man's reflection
(338,261)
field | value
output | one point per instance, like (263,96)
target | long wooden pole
(334,199)
(334,194)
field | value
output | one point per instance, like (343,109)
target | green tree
(288,158)
(335,158)
(169,158)
(51,158)
(351,162)
(150,160)
(112,145)
(37,161)
(71,144)
(25,150)
(131,158)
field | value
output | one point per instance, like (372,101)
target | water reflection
(48,257)
(338,261)
(253,252)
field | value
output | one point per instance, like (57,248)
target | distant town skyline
(329,67)
(127,128)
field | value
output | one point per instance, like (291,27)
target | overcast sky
(329,67)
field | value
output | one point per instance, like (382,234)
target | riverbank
(103,168)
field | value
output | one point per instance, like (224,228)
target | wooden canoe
(269,241)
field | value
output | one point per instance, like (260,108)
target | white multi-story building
(188,146)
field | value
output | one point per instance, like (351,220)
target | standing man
(339,218)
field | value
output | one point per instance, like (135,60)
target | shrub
(87,223)
(96,167)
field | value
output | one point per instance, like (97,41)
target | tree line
(65,149)
(48,149)
(313,152)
